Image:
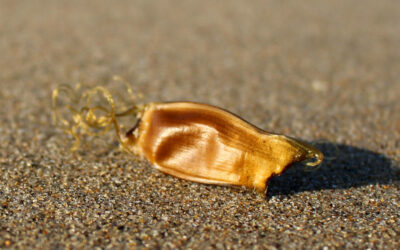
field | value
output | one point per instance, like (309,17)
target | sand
(326,72)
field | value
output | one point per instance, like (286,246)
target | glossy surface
(207,144)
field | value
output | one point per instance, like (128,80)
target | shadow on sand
(344,167)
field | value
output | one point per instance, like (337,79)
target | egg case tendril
(84,118)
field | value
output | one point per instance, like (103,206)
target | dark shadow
(344,167)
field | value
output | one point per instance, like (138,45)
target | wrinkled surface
(315,70)
(206,144)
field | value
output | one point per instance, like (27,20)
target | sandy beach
(326,72)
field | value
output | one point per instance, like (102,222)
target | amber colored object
(206,144)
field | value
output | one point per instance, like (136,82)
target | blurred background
(314,70)
(284,65)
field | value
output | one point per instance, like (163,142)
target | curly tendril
(86,119)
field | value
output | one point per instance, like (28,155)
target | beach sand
(326,72)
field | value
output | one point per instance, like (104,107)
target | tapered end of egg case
(279,153)
(293,151)
(307,152)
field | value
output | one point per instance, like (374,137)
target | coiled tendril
(85,119)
